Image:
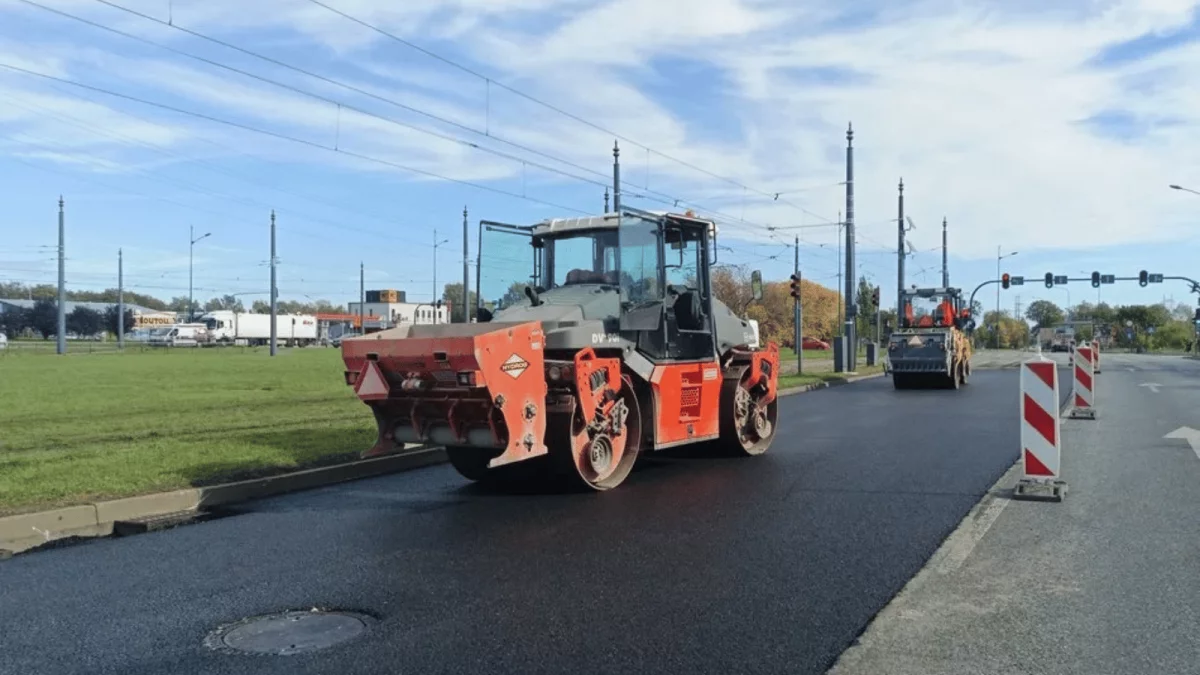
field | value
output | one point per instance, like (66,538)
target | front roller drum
(747,425)
(587,457)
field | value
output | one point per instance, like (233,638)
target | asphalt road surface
(696,565)
(1105,582)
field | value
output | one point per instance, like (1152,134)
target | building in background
(388,308)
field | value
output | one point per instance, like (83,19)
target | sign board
(1016,281)
(1154,278)
(1060,280)
(1129,333)
(1108,278)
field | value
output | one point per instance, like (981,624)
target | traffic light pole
(798,315)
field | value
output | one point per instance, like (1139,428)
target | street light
(1180,187)
(192,245)
(996,328)
(436,244)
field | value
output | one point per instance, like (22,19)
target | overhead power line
(285,137)
(639,191)
(534,99)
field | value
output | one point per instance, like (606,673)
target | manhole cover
(288,633)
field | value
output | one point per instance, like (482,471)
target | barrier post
(1041,437)
(1096,356)
(1083,394)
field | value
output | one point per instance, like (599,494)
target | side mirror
(483,315)
(756,287)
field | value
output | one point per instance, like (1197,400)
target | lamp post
(436,244)
(191,246)
(1180,187)
(996,328)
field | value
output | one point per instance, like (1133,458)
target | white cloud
(979,105)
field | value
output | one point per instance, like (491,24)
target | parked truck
(226,327)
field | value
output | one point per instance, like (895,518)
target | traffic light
(1095,280)
(1143,278)
(1005,280)
(796,286)
(1049,280)
(875,297)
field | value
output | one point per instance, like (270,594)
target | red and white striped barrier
(1041,440)
(1083,394)
(1096,355)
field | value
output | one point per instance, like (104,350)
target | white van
(179,335)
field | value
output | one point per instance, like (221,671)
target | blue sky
(1052,129)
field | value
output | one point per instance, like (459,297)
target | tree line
(1155,326)
(42,319)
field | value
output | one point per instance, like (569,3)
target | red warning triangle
(371,383)
(1034,466)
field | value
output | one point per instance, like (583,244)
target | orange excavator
(615,348)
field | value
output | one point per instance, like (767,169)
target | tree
(865,322)
(1044,314)
(1173,335)
(13,320)
(259,307)
(43,317)
(84,322)
(732,287)
(453,293)
(514,294)
(110,320)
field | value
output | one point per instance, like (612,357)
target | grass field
(86,426)
(99,425)
(786,381)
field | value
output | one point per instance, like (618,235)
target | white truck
(179,335)
(227,327)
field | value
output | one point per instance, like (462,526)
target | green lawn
(87,426)
(787,381)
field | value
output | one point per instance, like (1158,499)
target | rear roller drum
(747,424)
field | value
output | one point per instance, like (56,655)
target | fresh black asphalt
(695,565)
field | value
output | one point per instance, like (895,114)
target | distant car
(813,343)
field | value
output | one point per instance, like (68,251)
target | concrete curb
(29,530)
(827,384)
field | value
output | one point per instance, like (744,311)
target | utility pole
(879,319)
(62,281)
(274,290)
(900,254)
(945,266)
(466,273)
(798,318)
(616,178)
(191,246)
(841,325)
(362,300)
(851,306)
(120,299)
(996,326)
